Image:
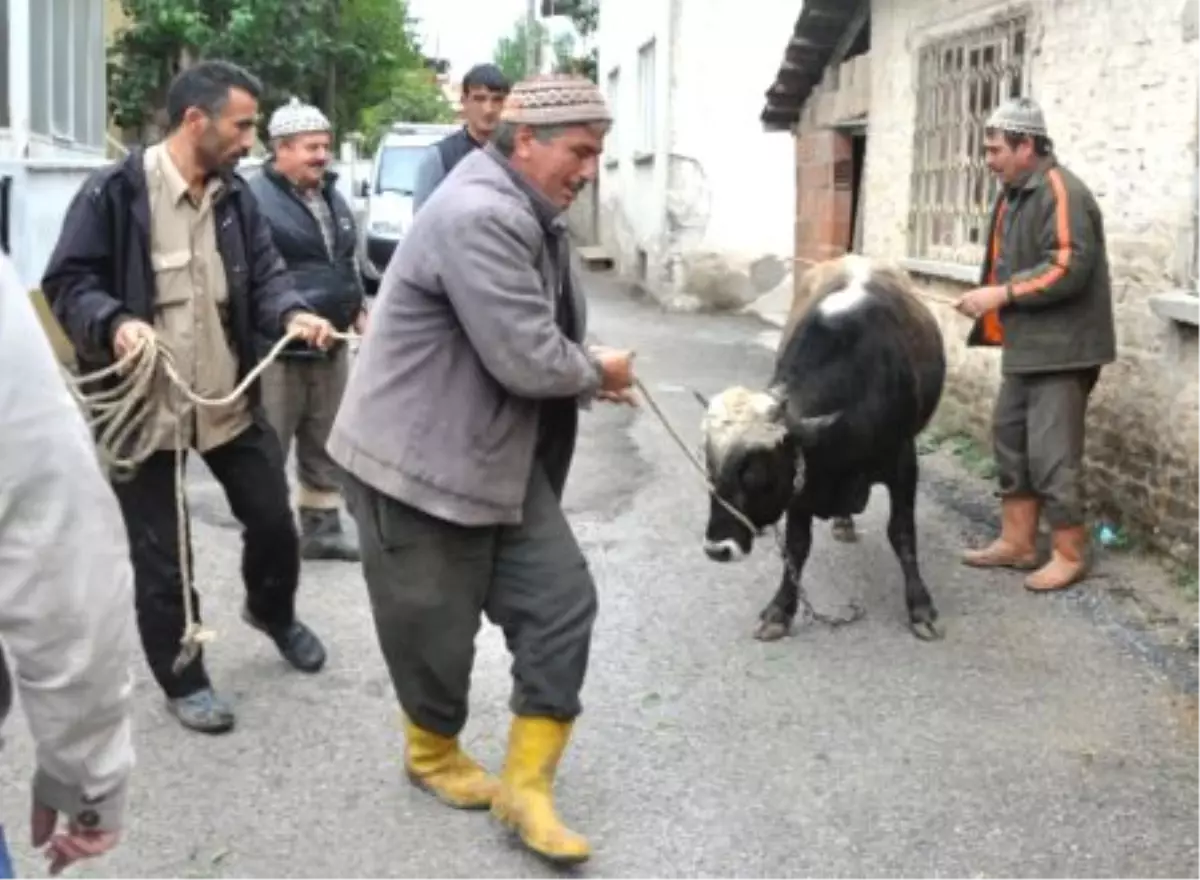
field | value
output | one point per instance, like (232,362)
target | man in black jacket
(169,243)
(484,89)
(313,228)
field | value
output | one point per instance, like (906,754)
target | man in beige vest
(170,242)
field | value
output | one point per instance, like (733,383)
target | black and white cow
(857,378)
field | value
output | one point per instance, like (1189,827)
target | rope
(695,462)
(123,418)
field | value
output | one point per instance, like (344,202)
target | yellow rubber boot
(438,765)
(525,803)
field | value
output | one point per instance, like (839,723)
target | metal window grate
(960,80)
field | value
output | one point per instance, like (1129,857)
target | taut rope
(124,418)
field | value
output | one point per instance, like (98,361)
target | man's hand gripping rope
(123,418)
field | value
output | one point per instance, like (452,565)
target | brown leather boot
(1068,561)
(1017,545)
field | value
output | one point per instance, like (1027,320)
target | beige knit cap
(555,99)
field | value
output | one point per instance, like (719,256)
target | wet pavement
(1029,742)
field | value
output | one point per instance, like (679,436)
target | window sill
(643,157)
(938,269)
(1179,306)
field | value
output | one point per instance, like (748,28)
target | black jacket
(100,271)
(330,285)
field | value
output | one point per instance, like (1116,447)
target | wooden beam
(862,15)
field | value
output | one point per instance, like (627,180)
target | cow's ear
(809,431)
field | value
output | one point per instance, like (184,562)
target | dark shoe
(297,643)
(321,536)
(202,711)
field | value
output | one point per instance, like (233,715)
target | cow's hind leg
(775,621)
(902,533)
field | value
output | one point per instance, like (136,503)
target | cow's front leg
(775,621)
(902,533)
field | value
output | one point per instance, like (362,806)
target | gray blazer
(462,350)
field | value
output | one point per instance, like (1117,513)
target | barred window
(960,80)
(67,70)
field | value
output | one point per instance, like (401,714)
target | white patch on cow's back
(854,293)
(741,417)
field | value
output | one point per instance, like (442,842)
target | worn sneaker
(203,711)
(297,643)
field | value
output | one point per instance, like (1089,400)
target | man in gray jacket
(66,596)
(457,431)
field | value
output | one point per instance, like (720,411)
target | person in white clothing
(66,597)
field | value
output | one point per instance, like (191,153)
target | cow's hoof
(843,530)
(924,625)
(773,625)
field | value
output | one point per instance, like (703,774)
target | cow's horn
(700,397)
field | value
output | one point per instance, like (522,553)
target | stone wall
(1118,82)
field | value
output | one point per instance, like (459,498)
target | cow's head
(754,453)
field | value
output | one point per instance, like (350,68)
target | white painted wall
(716,194)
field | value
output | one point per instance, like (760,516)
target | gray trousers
(301,398)
(429,580)
(1038,432)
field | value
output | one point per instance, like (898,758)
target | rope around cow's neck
(128,414)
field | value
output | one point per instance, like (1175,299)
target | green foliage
(511,54)
(349,57)
(410,101)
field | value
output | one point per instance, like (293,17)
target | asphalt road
(1029,742)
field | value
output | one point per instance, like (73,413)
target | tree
(346,56)
(511,54)
(585,17)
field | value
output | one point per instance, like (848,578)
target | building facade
(52,84)
(886,100)
(694,198)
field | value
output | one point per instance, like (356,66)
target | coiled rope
(124,419)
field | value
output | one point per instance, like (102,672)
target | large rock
(724,282)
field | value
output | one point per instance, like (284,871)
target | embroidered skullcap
(555,99)
(296,118)
(1019,116)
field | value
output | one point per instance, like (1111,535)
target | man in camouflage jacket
(1046,300)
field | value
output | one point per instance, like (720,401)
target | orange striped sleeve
(1060,261)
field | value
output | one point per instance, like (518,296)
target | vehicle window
(398,169)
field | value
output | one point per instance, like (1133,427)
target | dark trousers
(1038,431)
(429,580)
(250,470)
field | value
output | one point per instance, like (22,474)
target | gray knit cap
(1018,116)
(555,99)
(297,118)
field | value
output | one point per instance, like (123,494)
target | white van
(389,193)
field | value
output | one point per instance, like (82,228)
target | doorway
(858,161)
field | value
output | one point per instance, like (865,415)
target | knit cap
(296,118)
(555,99)
(1019,116)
